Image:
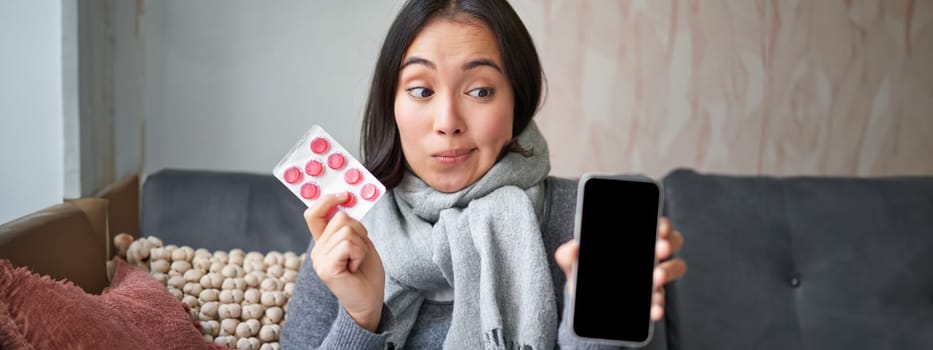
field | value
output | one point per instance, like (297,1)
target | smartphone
(616,224)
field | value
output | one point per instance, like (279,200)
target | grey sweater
(315,319)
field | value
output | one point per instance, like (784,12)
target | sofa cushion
(135,312)
(222,211)
(803,262)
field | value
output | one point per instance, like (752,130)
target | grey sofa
(219,210)
(774,263)
(803,263)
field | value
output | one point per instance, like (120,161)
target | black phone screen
(617,233)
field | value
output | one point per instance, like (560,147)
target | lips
(453,156)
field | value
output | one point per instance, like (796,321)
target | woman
(472,245)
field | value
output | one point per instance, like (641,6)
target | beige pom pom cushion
(240,298)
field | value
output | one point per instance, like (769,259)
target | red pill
(369,192)
(319,145)
(292,175)
(336,161)
(350,202)
(353,176)
(314,168)
(310,191)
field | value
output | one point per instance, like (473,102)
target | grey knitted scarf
(484,241)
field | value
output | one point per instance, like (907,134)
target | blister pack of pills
(318,165)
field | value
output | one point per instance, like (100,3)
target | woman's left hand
(669,242)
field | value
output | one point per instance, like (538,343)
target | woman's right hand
(346,260)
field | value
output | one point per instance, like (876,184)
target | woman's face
(453,104)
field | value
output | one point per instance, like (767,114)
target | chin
(449,186)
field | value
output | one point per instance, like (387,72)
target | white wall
(96,82)
(127,20)
(31,106)
(232,85)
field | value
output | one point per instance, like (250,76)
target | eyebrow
(418,60)
(481,62)
(466,66)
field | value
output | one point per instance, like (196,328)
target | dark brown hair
(382,148)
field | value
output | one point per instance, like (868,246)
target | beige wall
(746,87)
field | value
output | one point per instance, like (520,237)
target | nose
(448,120)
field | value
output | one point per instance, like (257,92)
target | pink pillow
(135,312)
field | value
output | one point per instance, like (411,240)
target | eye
(420,92)
(482,92)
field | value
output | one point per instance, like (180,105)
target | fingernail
(657,312)
(662,248)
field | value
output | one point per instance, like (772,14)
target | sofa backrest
(222,210)
(802,262)
(122,205)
